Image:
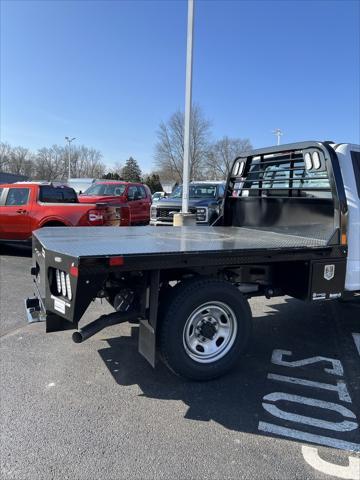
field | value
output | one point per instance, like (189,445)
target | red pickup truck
(25,207)
(133,198)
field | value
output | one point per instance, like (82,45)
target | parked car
(204,200)
(133,198)
(27,206)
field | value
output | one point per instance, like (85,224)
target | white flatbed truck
(289,225)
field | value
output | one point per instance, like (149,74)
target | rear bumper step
(34,310)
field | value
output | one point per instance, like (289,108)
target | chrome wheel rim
(210,332)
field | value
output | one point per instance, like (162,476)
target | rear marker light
(316,160)
(74,271)
(116,261)
(308,161)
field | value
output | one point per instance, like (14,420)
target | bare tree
(169,150)
(50,163)
(86,162)
(16,160)
(5,153)
(222,154)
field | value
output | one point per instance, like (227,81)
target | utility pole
(69,140)
(278,133)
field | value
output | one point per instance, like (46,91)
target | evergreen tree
(112,176)
(153,182)
(131,172)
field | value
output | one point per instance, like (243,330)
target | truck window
(132,192)
(355,156)
(141,192)
(17,196)
(49,194)
(1,191)
(221,191)
(106,189)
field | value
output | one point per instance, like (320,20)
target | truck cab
(349,161)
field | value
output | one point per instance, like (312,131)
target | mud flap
(327,280)
(147,342)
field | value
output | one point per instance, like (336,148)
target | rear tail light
(58,281)
(63,284)
(68,286)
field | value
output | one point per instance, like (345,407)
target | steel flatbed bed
(166,245)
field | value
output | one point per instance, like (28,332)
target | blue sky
(107,72)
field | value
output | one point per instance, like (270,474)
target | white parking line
(344,426)
(277,359)
(348,472)
(309,437)
(340,386)
(356,337)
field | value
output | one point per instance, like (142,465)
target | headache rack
(285,174)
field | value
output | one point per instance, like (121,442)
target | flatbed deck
(150,241)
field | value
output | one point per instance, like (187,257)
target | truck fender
(53,218)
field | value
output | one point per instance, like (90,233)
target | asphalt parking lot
(290,410)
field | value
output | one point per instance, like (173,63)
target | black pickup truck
(205,199)
(289,224)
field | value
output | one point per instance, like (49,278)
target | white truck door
(349,159)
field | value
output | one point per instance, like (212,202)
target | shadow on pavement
(15,250)
(235,401)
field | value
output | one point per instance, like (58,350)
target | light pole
(188,96)
(69,140)
(278,133)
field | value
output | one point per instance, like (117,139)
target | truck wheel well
(53,223)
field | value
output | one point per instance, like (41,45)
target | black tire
(186,298)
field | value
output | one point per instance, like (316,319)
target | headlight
(153,212)
(201,214)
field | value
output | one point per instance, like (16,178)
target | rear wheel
(205,327)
